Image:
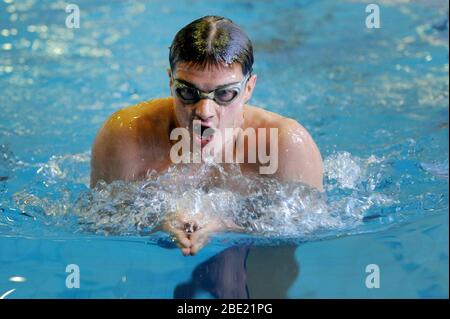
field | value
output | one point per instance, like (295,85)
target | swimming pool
(375,101)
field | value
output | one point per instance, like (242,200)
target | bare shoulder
(258,117)
(126,125)
(299,157)
(118,141)
(154,110)
(287,127)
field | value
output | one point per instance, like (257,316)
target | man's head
(212,41)
(211,62)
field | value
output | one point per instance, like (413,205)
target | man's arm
(113,153)
(299,158)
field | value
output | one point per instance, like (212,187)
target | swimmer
(211,82)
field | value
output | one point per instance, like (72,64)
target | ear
(169,73)
(251,83)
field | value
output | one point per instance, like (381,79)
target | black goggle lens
(188,94)
(226,95)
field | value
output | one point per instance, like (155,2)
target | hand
(180,227)
(188,235)
(200,237)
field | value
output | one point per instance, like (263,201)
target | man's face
(207,111)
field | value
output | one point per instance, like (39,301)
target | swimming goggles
(223,95)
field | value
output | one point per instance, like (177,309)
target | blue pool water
(375,101)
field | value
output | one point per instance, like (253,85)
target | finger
(198,239)
(197,247)
(181,239)
(186,251)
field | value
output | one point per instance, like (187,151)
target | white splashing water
(263,206)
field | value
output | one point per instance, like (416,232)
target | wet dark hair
(212,41)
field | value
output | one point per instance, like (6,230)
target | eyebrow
(218,87)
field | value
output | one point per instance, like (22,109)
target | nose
(204,109)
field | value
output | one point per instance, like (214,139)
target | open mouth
(205,136)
